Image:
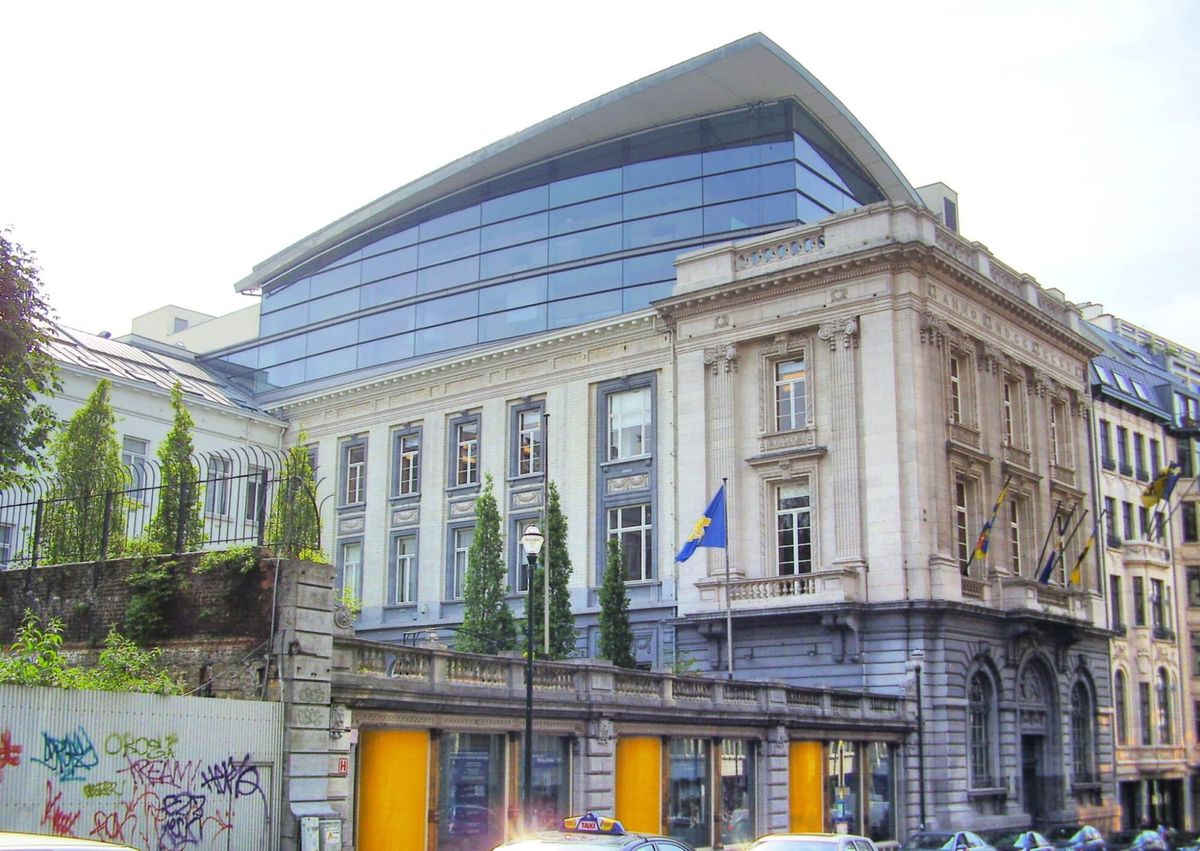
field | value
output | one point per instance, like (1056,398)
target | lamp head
(532,540)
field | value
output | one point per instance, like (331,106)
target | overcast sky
(154,152)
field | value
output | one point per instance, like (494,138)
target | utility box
(310,833)
(331,834)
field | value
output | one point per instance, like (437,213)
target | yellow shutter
(806,787)
(393,783)
(639,783)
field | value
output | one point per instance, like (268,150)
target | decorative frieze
(462,508)
(351,525)
(409,515)
(626,484)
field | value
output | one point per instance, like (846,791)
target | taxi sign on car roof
(592,823)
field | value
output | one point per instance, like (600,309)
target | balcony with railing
(831,585)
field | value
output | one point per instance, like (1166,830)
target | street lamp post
(918,656)
(531,542)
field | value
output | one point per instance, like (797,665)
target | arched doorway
(1037,719)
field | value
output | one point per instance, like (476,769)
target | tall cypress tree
(294,523)
(179,494)
(88,473)
(488,624)
(562,623)
(616,636)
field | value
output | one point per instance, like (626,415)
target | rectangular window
(471,806)
(1009,417)
(518,576)
(1158,611)
(528,433)
(1196,655)
(402,584)
(1114,599)
(1127,520)
(689,802)
(6,545)
(255,508)
(216,486)
(1193,588)
(466,454)
(737,778)
(551,794)
(1106,451)
(791,395)
(1139,601)
(631,526)
(957,370)
(1143,522)
(628,423)
(133,456)
(354,479)
(460,544)
(1184,450)
(1187,516)
(350,570)
(1123,451)
(793,527)
(1145,713)
(1155,456)
(1014,537)
(962,532)
(1139,457)
(1060,438)
(406,461)
(1112,536)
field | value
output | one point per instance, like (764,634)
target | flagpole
(1049,532)
(728,601)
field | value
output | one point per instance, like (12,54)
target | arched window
(1165,735)
(1121,705)
(1082,739)
(980,702)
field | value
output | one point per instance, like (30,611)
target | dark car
(1074,837)
(591,832)
(1022,840)
(946,840)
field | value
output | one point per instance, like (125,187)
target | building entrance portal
(1031,778)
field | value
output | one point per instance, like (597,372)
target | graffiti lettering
(231,777)
(61,821)
(110,827)
(160,772)
(100,790)
(10,754)
(182,821)
(70,756)
(127,744)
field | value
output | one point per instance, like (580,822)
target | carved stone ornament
(721,358)
(843,330)
(934,329)
(721,320)
(992,360)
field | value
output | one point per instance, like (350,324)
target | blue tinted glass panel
(590,214)
(282,351)
(341,260)
(389,289)
(744,157)
(388,243)
(387,323)
(338,304)
(283,376)
(663,199)
(588,243)
(450,223)
(753,181)
(588,279)
(449,248)
(444,337)
(650,267)
(286,296)
(813,158)
(330,363)
(752,212)
(386,350)
(808,210)
(822,192)
(654,172)
(594,185)
(515,294)
(583,309)
(666,228)
(513,231)
(446,309)
(287,319)
(448,275)
(508,261)
(249,358)
(335,279)
(636,298)
(333,337)
(387,265)
(512,323)
(516,204)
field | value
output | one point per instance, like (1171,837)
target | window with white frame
(133,456)
(518,576)
(628,423)
(982,740)
(216,485)
(793,527)
(1121,707)
(1060,453)
(1082,735)
(350,569)
(354,473)
(1166,730)
(402,581)
(962,523)
(1016,542)
(466,452)
(460,548)
(255,496)
(791,394)
(406,461)
(961,399)
(632,527)
(527,431)
(1012,413)
(6,544)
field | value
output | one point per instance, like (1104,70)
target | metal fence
(227,499)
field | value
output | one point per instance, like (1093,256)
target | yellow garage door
(639,783)
(393,783)
(806,787)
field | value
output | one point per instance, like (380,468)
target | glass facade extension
(587,235)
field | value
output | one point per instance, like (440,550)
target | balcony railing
(1108,464)
(822,586)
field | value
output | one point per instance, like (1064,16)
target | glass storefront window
(470,795)
(551,798)
(689,807)
(880,814)
(842,787)
(737,792)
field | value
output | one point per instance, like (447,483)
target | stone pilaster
(842,337)
(721,366)
(777,785)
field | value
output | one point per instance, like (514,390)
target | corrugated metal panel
(158,773)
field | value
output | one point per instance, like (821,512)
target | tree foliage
(179,494)
(26,368)
(488,624)
(294,523)
(87,471)
(36,659)
(562,623)
(616,636)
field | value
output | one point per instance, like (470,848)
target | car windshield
(795,845)
(567,842)
(929,840)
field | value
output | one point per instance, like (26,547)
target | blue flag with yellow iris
(709,530)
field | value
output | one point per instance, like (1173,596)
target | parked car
(1023,840)
(595,832)
(811,842)
(1074,837)
(946,840)
(41,842)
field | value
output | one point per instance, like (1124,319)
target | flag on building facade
(1160,489)
(985,534)
(709,530)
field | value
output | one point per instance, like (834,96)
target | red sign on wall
(343,766)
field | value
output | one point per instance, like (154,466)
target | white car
(812,842)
